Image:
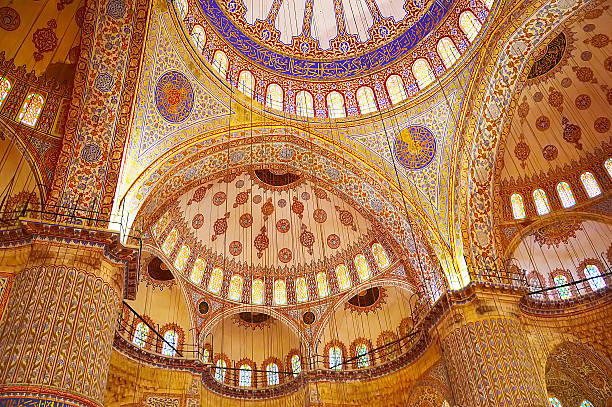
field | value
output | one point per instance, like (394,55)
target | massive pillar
(490,362)
(57,331)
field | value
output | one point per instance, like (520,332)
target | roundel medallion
(174,96)
(415,147)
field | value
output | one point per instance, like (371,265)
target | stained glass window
(380,256)
(198,37)
(274,97)
(590,184)
(257,292)
(161,224)
(335,358)
(607,163)
(181,8)
(272,373)
(564,292)
(447,51)
(363,359)
(304,104)
(301,289)
(296,365)
(140,335)
(565,195)
(30,110)
(5,88)
(596,281)
(554,402)
(216,278)
(469,24)
(246,83)
(342,275)
(170,242)
(335,105)
(280,292)
(586,403)
(197,273)
(422,73)
(322,285)
(205,355)
(220,63)
(366,100)
(363,268)
(518,208)
(220,370)
(244,379)
(182,257)
(170,342)
(235,288)
(541,202)
(396,89)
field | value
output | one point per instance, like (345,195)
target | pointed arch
(197,273)
(235,288)
(301,289)
(31,109)
(590,184)
(518,207)
(565,195)
(216,279)
(344,281)
(257,291)
(363,268)
(322,285)
(541,202)
(280,292)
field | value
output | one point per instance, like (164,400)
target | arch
(141,333)
(245,376)
(197,272)
(280,292)
(565,195)
(5,89)
(169,242)
(335,358)
(216,279)
(563,292)
(161,224)
(449,54)
(469,24)
(322,285)
(235,288)
(366,100)
(363,268)
(596,281)
(220,370)
(541,202)
(304,104)
(31,109)
(518,207)
(246,83)
(422,73)
(301,289)
(272,374)
(182,257)
(362,355)
(554,402)
(274,97)
(295,363)
(342,275)
(170,342)
(607,163)
(396,89)
(181,8)
(380,256)
(198,37)
(220,63)
(335,105)
(591,187)
(257,291)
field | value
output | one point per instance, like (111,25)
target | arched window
(197,273)
(335,358)
(216,278)
(541,202)
(220,371)
(161,224)
(205,355)
(590,184)
(257,292)
(335,105)
(296,365)
(564,292)
(304,104)
(280,292)
(366,100)
(181,8)
(246,83)
(596,281)
(220,63)
(301,290)
(170,242)
(198,37)
(322,285)
(140,335)
(469,24)
(274,97)
(363,359)
(363,268)
(235,288)
(518,208)
(422,73)
(447,51)
(30,110)
(489,4)
(554,402)
(5,88)
(607,163)
(565,195)
(244,379)
(380,256)
(586,403)
(272,373)
(396,89)
(182,257)
(344,281)
(170,342)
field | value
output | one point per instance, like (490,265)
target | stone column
(57,331)
(490,362)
